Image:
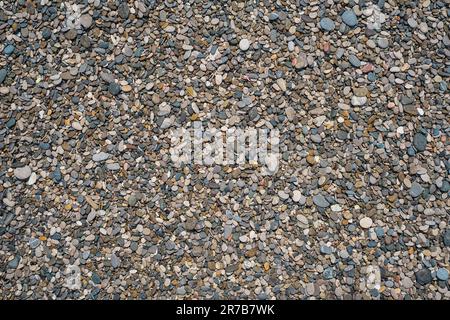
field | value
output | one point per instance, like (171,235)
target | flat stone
(327,24)
(115,261)
(354,61)
(423,277)
(415,190)
(244,44)
(101,156)
(22,173)
(358,101)
(365,222)
(114,88)
(86,21)
(3,74)
(349,18)
(296,195)
(420,142)
(442,274)
(320,201)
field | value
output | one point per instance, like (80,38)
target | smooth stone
(412,23)
(325,250)
(420,142)
(407,283)
(296,195)
(86,21)
(3,74)
(115,261)
(329,273)
(113,166)
(358,101)
(32,180)
(319,200)
(415,190)
(181,291)
(354,61)
(349,18)
(114,88)
(14,263)
(244,44)
(34,243)
(123,10)
(442,274)
(22,173)
(290,113)
(365,222)
(101,156)
(327,24)
(301,61)
(383,43)
(446,238)
(423,277)
(9,49)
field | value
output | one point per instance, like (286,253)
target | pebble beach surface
(359,207)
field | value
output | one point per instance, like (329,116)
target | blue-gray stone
(329,273)
(273,16)
(442,274)
(46,33)
(349,18)
(57,176)
(379,232)
(325,250)
(327,24)
(320,201)
(14,263)
(9,49)
(354,61)
(420,142)
(446,238)
(95,278)
(11,123)
(114,88)
(445,186)
(416,190)
(411,151)
(423,276)
(3,73)
(34,243)
(44,145)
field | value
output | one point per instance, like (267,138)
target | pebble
(244,44)
(319,200)
(354,61)
(3,74)
(115,261)
(420,142)
(442,274)
(9,49)
(383,43)
(86,21)
(358,101)
(101,156)
(22,173)
(296,195)
(114,88)
(415,190)
(365,222)
(327,24)
(423,277)
(349,18)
